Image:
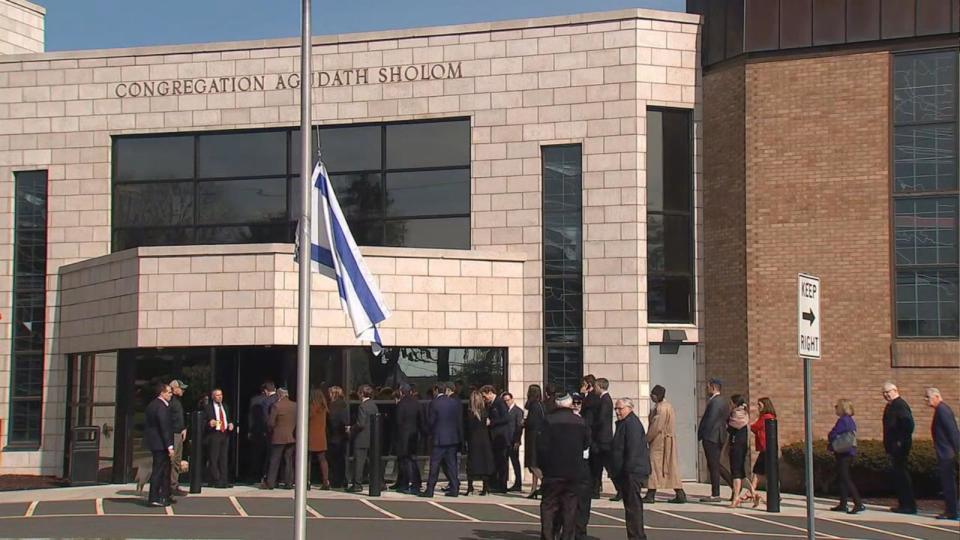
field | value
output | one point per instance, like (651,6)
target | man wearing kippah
(560,447)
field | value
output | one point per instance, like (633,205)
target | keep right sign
(808,316)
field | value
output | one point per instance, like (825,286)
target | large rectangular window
(404,184)
(670,261)
(29,308)
(563,265)
(925,194)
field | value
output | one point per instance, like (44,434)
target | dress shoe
(679,498)
(535,494)
(650,498)
(616,498)
(952,517)
(839,508)
(710,499)
(426,495)
(515,487)
(354,489)
(157,504)
(857,509)
(451,494)
(902,510)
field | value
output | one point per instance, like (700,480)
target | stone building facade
(584,80)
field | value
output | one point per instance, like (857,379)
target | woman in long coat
(536,416)
(479,448)
(317,441)
(661,434)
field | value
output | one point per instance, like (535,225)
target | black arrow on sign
(810,317)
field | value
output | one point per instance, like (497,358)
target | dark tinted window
(258,153)
(670,270)
(428,144)
(153,158)
(28,309)
(247,186)
(562,265)
(926,194)
(239,201)
(425,193)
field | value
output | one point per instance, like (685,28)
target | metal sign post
(808,348)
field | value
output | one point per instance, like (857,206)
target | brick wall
(724,276)
(818,201)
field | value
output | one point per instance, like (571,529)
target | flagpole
(303,315)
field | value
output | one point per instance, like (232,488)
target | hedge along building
(524,192)
(830,147)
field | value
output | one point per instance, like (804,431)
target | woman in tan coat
(661,434)
(317,441)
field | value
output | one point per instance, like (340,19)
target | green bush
(870,469)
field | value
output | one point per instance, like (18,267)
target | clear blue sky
(97,24)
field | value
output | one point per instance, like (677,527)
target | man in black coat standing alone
(560,447)
(158,438)
(630,464)
(897,440)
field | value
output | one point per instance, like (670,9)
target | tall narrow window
(670,267)
(562,265)
(925,194)
(29,301)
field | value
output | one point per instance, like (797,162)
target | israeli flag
(334,254)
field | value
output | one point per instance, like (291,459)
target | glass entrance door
(91,401)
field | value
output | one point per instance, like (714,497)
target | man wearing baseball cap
(179,425)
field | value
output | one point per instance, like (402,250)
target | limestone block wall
(21,27)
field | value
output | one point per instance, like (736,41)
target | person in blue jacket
(843,432)
(946,441)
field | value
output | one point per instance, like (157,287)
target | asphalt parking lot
(268,518)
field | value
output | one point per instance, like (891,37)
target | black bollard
(773,466)
(376,473)
(196,452)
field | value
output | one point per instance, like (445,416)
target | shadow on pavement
(503,535)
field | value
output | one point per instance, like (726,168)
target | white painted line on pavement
(454,512)
(31,509)
(697,521)
(313,512)
(99,504)
(378,509)
(608,516)
(168,510)
(871,529)
(778,524)
(934,527)
(236,506)
(524,512)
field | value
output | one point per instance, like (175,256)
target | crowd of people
(569,440)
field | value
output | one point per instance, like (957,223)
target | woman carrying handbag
(842,441)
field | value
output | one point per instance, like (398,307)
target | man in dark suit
(445,425)
(630,461)
(219,429)
(710,432)
(360,434)
(591,400)
(283,424)
(158,438)
(560,447)
(602,437)
(405,441)
(516,435)
(500,436)
(258,432)
(897,440)
(946,442)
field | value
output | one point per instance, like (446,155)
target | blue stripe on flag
(342,247)
(321,255)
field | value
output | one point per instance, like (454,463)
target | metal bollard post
(773,466)
(196,452)
(376,476)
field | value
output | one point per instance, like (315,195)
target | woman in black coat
(337,438)
(479,449)
(536,415)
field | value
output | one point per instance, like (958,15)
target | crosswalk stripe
(99,505)
(378,509)
(608,516)
(31,509)
(697,521)
(454,512)
(784,525)
(524,512)
(313,512)
(871,529)
(168,510)
(236,506)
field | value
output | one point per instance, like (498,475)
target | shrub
(870,470)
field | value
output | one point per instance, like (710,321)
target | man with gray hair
(897,439)
(560,448)
(630,465)
(946,442)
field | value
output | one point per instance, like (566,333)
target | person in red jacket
(767,412)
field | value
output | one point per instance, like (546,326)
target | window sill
(22,448)
(925,353)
